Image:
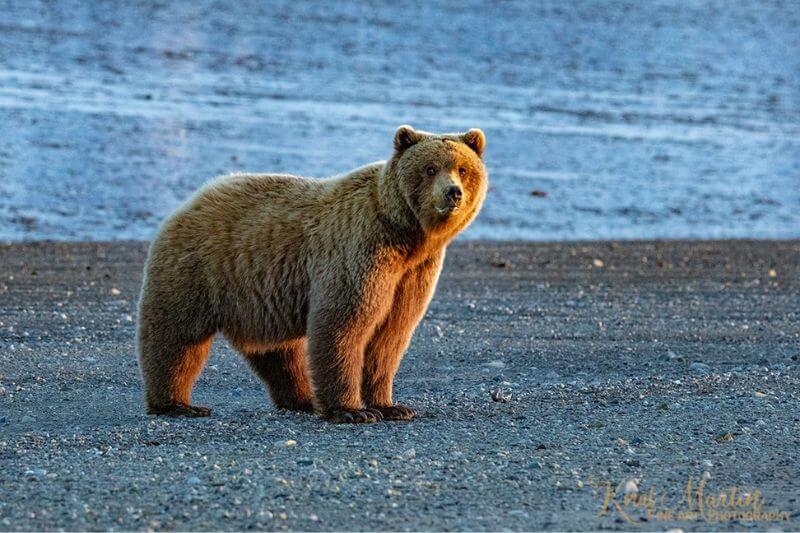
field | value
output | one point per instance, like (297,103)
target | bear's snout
(453,195)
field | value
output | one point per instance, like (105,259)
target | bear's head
(441,178)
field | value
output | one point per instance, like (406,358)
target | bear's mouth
(447,210)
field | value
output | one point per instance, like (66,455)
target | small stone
(759,394)
(192,481)
(539,193)
(725,437)
(496,364)
(27,419)
(501,395)
(410,453)
(290,442)
(631,487)
(772,273)
(706,475)
(115,291)
(707,463)
(598,263)
(700,368)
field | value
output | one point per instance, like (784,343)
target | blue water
(637,119)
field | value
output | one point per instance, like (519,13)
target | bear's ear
(406,136)
(476,140)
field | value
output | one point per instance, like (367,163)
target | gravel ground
(644,364)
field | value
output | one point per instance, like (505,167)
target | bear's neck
(403,229)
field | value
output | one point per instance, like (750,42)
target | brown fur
(319,283)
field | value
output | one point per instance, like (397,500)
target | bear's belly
(259,316)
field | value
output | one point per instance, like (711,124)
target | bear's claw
(396,412)
(355,416)
(180,409)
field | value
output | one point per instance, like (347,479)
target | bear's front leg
(339,325)
(391,339)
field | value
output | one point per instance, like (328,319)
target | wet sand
(638,119)
(644,362)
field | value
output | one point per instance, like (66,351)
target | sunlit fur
(319,283)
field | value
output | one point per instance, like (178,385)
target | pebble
(725,437)
(631,487)
(700,368)
(27,419)
(193,480)
(501,395)
(707,463)
(496,364)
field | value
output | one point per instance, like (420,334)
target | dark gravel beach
(645,364)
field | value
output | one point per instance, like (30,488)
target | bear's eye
(462,171)
(430,171)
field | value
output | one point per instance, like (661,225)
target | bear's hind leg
(285,372)
(169,373)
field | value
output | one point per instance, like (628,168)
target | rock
(496,364)
(725,437)
(707,463)
(27,419)
(410,453)
(631,487)
(598,263)
(501,395)
(192,481)
(759,394)
(700,368)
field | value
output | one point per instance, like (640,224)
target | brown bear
(318,283)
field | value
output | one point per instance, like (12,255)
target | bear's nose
(453,194)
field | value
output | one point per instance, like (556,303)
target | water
(638,119)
